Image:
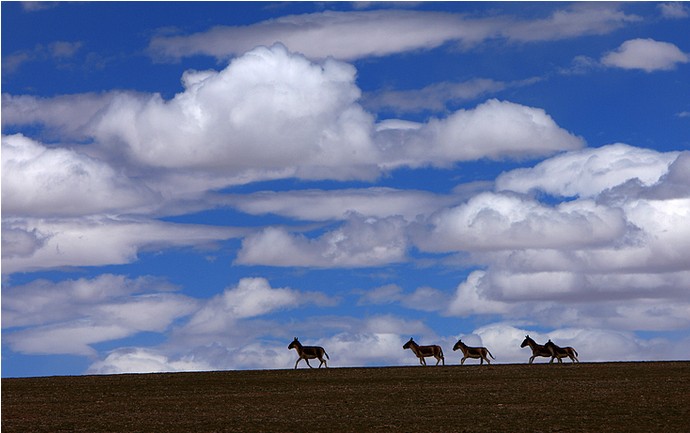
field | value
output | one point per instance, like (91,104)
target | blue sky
(188,186)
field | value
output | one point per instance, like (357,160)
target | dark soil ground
(587,397)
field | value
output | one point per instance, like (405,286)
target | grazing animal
(558,352)
(473,352)
(309,352)
(537,349)
(424,351)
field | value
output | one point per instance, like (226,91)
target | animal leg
(298,360)
(462,361)
(307,361)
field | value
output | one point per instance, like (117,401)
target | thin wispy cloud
(674,10)
(59,52)
(359,34)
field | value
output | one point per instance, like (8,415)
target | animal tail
(327,357)
(487,351)
(441,348)
(576,354)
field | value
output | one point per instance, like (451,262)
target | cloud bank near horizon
(617,277)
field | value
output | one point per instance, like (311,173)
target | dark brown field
(650,396)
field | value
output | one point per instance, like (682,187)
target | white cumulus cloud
(252,297)
(37,180)
(494,129)
(359,242)
(588,172)
(491,221)
(268,110)
(646,54)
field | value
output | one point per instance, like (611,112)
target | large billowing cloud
(354,35)
(37,180)
(646,54)
(268,110)
(274,114)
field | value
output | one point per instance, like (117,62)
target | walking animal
(473,352)
(537,349)
(309,352)
(558,352)
(425,351)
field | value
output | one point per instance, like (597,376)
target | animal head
(458,345)
(526,341)
(294,343)
(408,344)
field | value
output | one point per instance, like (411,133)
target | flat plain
(601,397)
